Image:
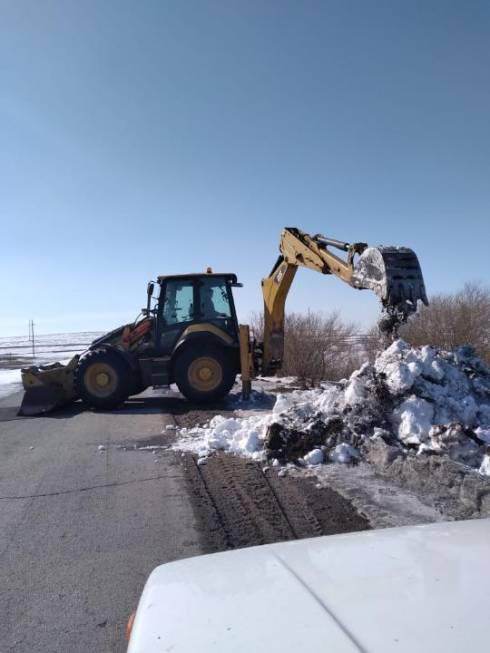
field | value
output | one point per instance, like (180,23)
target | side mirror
(149,289)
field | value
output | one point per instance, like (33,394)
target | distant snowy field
(9,382)
(16,352)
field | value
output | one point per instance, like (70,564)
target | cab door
(176,312)
(216,305)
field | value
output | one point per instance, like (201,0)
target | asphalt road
(91,502)
(81,529)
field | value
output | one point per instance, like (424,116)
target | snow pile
(424,399)
(240,435)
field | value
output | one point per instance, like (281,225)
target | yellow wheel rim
(205,374)
(100,379)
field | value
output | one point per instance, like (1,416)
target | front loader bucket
(47,387)
(394,274)
(42,399)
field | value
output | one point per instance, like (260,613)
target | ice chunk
(283,403)
(328,398)
(414,419)
(355,392)
(485,465)
(314,457)
(344,453)
(400,376)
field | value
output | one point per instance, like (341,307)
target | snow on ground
(48,348)
(9,382)
(420,399)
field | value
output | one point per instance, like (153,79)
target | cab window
(214,302)
(179,302)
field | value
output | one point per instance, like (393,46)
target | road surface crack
(86,489)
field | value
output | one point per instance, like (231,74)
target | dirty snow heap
(420,399)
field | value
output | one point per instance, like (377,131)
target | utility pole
(32,339)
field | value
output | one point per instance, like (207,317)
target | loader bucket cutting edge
(43,399)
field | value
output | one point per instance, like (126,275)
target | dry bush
(452,320)
(374,342)
(317,347)
(321,347)
(257,326)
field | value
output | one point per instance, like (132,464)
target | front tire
(103,379)
(204,373)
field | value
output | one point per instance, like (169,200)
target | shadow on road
(175,404)
(132,406)
(10,413)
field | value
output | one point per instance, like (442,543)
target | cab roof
(227,276)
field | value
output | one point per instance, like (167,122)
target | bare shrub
(452,320)
(317,347)
(373,342)
(257,326)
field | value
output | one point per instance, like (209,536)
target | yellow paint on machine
(207,327)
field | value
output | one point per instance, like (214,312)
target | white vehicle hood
(413,589)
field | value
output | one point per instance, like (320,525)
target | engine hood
(419,588)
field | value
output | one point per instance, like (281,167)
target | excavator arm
(392,273)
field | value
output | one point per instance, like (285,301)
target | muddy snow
(411,407)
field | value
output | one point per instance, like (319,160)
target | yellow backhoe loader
(189,332)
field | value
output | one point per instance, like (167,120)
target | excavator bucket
(394,274)
(47,387)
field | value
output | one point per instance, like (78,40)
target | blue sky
(144,138)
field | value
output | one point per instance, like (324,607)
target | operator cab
(191,301)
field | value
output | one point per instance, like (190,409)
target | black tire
(193,365)
(109,367)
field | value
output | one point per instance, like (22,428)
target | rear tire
(204,372)
(103,379)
